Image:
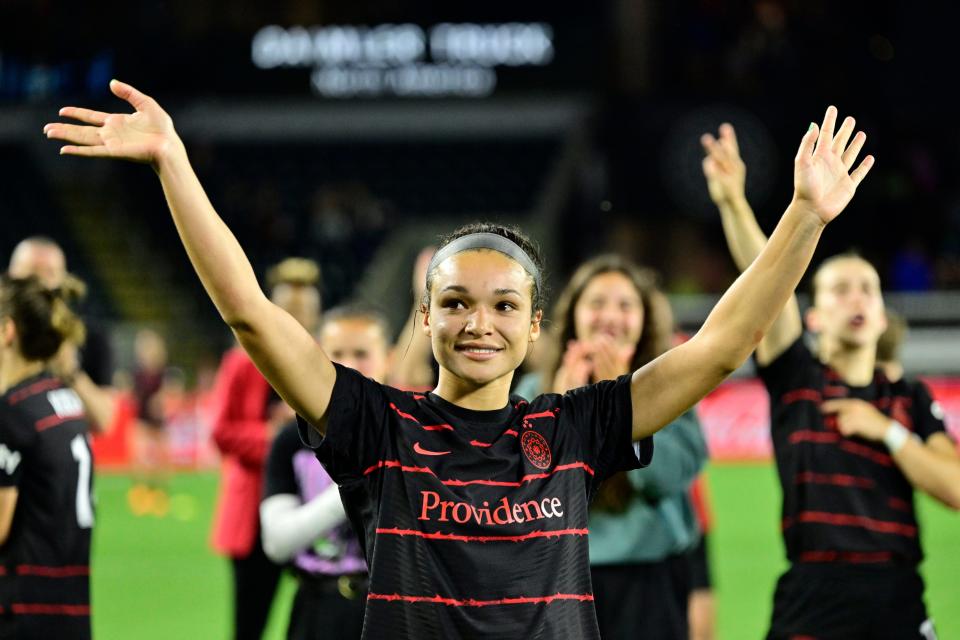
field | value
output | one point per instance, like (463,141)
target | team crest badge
(536,449)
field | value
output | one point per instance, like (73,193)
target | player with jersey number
(473,505)
(851,444)
(46,513)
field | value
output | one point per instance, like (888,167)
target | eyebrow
(503,292)
(454,287)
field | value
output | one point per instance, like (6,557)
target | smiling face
(480,319)
(610,306)
(848,310)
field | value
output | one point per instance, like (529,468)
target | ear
(425,326)
(8,331)
(535,325)
(812,320)
(884,323)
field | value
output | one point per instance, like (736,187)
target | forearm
(99,403)
(930,471)
(289,527)
(756,299)
(213,250)
(744,237)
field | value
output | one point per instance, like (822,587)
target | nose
(478,322)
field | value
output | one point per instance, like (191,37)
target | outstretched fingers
(850,154)
(826,129)
(861,172)
(76,134)
(728,136)
(807,143)
(137,99)
(99,151)
(843,135)
(89,116)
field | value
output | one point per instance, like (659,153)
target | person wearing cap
(472,505)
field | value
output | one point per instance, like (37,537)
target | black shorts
(849,602)
(700,566)
(644,600)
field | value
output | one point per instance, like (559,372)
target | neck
(16,369)
(489,396)
(854,364)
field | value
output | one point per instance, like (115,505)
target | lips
(858,321)
(476,351)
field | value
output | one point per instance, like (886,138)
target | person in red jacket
(246,415)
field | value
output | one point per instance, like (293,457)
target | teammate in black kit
(472,505)
(850,443)
(46,514)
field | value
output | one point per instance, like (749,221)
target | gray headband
(494,242)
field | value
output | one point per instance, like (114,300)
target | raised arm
(823,186)
(284,351)
(726,176)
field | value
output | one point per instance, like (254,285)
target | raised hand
(823,182)
(723,168)
(610,360)
(575,368)
(143,136)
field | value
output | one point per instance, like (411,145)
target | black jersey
(44,564)
(474,523)
(844,499)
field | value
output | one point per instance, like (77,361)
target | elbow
(952,499)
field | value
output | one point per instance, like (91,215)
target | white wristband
(896,436)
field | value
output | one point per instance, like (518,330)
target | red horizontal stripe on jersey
(525,479)
(846,556)
(801,394)
(848,520)
(396,464)
(453,482)
(471,602)
(867,452)
(477,443)
(814,436)
(511,432)
(46,609)
(836,479)
(883,403)
(68,571)
(542,414)
(456,537)
(33,389)
(438,427)
(52,421)
(834,392)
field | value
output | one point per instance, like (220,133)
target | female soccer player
(613,319)
(850,444)
(46,514)
(473,507)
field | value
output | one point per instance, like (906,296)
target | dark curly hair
(537,295)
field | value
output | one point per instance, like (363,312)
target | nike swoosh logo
(422,451)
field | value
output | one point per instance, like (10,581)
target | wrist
(896,437)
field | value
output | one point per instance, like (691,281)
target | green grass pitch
(156,578)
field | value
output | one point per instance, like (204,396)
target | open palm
(142,136)
(822,178)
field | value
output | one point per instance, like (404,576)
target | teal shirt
(660,520)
